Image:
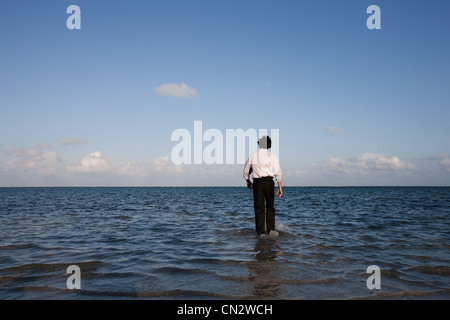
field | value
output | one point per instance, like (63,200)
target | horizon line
(235,186)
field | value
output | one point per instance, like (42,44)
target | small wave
(123,217)
(281,280)
(175,270)
(241,232)
(407,294)
(53,266)
(17,246)
(282,227)
(392,273)
(438,270)
(216,261)
(273,234)
(422,258)
(176,293)
(319,247)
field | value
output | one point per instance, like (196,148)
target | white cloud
(93,162)
(36,165)
(96,162)
(369,162)
(445,163)
(333,129)
(95,169)
(177,90)
(72,141)
(159,164)
(40,165)
(32,160)
(28,151)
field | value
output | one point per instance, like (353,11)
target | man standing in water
(265,166)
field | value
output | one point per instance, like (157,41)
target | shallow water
(200,243)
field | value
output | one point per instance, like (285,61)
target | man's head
(265,142)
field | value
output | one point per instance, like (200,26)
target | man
(265,166)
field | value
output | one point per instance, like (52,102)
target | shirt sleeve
(276,169)
(247,169)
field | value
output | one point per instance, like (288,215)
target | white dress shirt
(264,164)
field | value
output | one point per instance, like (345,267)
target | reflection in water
(265,270)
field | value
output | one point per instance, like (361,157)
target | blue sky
(353,106)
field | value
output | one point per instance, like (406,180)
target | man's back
(263,164)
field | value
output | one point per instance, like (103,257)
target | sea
(200,243)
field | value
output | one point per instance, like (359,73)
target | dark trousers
(263,198)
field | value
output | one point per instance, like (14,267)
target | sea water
(201,243)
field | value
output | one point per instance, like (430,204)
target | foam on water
(273,234)
(280,228)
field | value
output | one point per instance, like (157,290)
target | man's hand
(249,184)
(279,191)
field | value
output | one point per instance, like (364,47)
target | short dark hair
(265,142)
